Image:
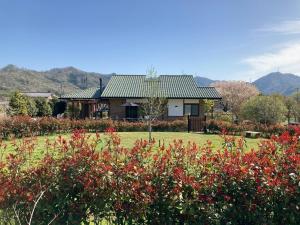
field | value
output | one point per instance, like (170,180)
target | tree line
(245,102)
(22,105)
(241,99)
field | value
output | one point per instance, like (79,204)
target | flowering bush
(23,126)
(93,179)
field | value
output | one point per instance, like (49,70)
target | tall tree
(18,104)
(43,107)
(154,105)
(234,94)
(264,109)
(296,107)
(31,106)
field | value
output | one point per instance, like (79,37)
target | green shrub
(23,126)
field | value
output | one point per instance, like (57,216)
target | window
(191,109)
(131,112)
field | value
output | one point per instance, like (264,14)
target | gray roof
(90,93)
(38,94)
(167,86)
(4,102)
(139,86)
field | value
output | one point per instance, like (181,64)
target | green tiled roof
(167,86)
(90,93)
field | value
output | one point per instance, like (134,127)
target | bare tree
(17,213)
(234,93)
(31,213)
(153,108)
(154,105)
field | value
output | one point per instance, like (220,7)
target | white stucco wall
(135,100)
(191,101)
(175,107)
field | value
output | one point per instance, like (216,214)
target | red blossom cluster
(90,178)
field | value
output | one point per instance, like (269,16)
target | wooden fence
(196,124)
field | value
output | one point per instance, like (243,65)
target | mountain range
(58,80)
(282,83)
(68,79)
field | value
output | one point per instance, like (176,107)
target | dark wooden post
(189,123)
(204,127)
(73,110)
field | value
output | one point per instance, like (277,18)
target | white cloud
(286,59)
(285,27)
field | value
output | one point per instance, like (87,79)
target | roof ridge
(89,88)
(36,92)
(116,75)
(170,75)
(177,75)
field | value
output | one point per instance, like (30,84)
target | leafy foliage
(43,107)
(22,105)
(264,109)
(84,179)
(31,106)
(209,107)
(24,126)
(292,104)
(18,104)
(216,126)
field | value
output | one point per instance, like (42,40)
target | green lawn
(128,139)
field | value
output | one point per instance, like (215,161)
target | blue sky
(218,39)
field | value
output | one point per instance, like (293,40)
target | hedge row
(214,126)
(27,126)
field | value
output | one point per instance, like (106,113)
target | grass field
(128,139)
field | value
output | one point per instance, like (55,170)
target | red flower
(178,172)
(227,198)
(110,130)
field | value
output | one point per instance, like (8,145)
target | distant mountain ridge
(57,80)
(203,81)
(283,83)
(69,79)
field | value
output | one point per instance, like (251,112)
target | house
(87,101)
(124,95)
(183,95)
